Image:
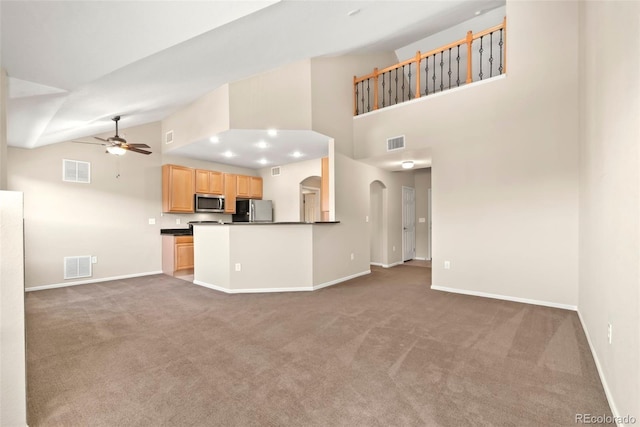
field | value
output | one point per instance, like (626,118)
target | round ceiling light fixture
(214,139)
(272,132)
(408,164)
(117,150)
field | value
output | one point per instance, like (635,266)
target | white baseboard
(377,264)
(505,298)
(340,280)
(86,282)
(603,380)
(419,258)
(268,290)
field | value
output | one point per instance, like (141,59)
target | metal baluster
(409,96)
(389,87)
(403,83)
(362,83)
(434,73)
(357,110)
(458,59)
(481,50)
(396,85)
(491,55)
(441,71)
(500,44)
(368,96)
(426,76)
(449,68)
(383,104)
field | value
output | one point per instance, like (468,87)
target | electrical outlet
(394,249)
(94,260)
(352,256)
(238,266)
(609,332)
(177,220)
(366,218)
(152,221)
(447,265)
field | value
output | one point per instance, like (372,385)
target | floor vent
(275,171)
(395,143)
(75,171)
(168,137)
(77,266)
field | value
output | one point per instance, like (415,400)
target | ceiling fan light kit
(118,145)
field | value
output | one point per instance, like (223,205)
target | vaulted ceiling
(73,65)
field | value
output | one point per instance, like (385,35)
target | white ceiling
(73,65)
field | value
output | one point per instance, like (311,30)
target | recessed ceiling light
(296,154)
(478,12)
(407,165)
(227,154)
(272,132)
(262,144)
(263,161)
(353,12)
(214,139)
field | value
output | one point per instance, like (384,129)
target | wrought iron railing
(434,71)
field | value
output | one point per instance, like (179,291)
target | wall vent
(395,143)
(75,171)
(77,266)
(168,137)
(275,171)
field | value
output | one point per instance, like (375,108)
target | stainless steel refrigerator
(253,210)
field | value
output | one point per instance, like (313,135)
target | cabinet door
(184,256)
(229,193)
(243,186)
(202,181)
(255,187)
(216,181)
(178,187)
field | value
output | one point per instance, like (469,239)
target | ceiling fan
(118,145)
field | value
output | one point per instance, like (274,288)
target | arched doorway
(310,199)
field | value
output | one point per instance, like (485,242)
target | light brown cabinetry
(230,193)
(243,186)
(324,189)
(177,254)
(209,182)
(183,253)
(177,189)
(255,187)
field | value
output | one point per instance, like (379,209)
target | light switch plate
(422,220)
(152,221)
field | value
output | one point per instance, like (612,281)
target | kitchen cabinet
(230,188)
(243,186)
(255,187)
(177,254)
(209,182)
(183,253)
(178,187)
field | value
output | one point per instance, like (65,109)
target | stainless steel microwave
(209,203)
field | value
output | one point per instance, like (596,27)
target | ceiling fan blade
(101,139)
(137,150)
(138,145)
(88,142)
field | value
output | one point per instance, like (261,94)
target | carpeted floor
(380,350)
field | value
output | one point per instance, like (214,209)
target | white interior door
(310,202)
(408,223)
(429,224)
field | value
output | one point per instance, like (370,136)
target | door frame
(404,255)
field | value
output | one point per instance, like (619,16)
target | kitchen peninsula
(266,257)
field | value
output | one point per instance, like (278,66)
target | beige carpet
(380,350)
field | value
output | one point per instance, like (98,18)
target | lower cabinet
(177,254)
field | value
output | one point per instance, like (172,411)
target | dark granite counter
(177,231)
(189,231)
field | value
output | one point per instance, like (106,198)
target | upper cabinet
(243,186)
(209,182)
(230,193)
(178,184)
(255,187)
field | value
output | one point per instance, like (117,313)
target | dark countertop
(189,231)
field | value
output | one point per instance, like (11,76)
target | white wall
(107,218)
(422,185)
(505,164)
(610,195)
(4,91)
(13,410)
(284,189)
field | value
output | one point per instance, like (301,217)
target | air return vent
(395,143)
(168,137)
(75,171)
(275,171)
(77,266)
